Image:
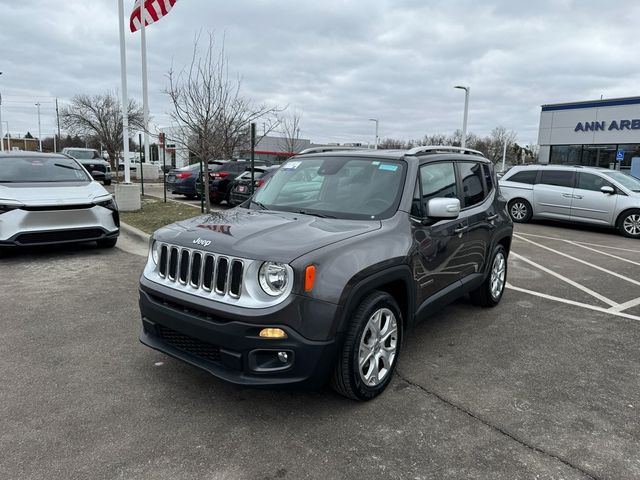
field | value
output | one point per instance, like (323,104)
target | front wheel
(371,348)
(629,224)
(490,292)
(520,210)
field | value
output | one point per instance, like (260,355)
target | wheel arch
(396,281)
(624,212)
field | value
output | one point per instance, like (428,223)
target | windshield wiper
(66,166)
(6,181)
(315,214)
(261,205)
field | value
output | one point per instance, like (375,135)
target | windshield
(340,187)
(632,183)
(41,169)
(83,154)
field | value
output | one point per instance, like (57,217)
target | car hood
(54,193)
(262,235)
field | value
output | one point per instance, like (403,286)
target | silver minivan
(592,195)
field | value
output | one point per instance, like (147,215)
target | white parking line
(614,274)
(626,305)
(574,303)
(580,243)
(603,253)
(579,286)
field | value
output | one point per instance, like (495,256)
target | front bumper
(227,345)
(23,227)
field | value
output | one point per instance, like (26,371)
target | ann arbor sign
(603,125)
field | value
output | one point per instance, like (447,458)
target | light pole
(375,120)
(8,135)
(39,132)
(463,143)
(1,137)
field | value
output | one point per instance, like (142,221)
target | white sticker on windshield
(388,167)
(291,165)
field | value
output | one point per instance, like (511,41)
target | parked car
(589,195)
(294,289)
(240,189)
(221,174)
(91,159)
(51,198)
(182,181)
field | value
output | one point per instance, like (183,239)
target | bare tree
(496,141)
(290,128)
(100,117)
(211,116)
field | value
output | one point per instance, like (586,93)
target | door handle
(567,195)
(577,196)
(491,218)
(461,229)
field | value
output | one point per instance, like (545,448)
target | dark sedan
(241,186)
(182,181)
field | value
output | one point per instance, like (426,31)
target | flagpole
(125,102)
(145,93)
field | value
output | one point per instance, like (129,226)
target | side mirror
(607,189)
(440,208)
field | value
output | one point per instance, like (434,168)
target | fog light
(283,357)
(273,333)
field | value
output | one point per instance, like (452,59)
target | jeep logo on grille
(204,243)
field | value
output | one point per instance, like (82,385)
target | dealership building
(603,133)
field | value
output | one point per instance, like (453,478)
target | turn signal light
(273,333)
(309,278)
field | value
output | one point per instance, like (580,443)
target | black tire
(485,295)
(190,196)
(347,379)
(520,210)
(629,223)
(107,182)
(107,242)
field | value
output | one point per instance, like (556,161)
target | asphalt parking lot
(546,385)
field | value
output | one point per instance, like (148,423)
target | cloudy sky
(338,62)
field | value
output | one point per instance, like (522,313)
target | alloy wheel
(378,347)
(631,224)
(498,275)
(519,211)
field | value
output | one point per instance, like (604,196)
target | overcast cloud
(338,62)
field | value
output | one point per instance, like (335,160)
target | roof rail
(433,149)
(329,148)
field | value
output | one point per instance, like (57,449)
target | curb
(134,232)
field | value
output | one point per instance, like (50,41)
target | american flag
(154,10)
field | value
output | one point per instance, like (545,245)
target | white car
(582,194)
(49,198)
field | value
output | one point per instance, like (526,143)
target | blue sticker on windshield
(388,167)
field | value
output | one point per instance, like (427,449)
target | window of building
(438,180)
(599,155)
(472,186)
(589,181)
(526,176)
(560,178)
(566,154)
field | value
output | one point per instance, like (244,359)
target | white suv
(597,196)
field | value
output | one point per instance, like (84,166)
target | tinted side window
(560,178)
(472,188)
(438,180)
(589,181)
(488,176)
(527,176)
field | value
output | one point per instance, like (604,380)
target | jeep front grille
(201,270)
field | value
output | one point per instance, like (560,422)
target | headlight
(110,204)
(273,278)
(154,251)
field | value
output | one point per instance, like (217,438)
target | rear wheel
(520,210)
(107,242)
(490,292)
(371,348)
(629,223)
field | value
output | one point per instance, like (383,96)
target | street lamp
(39,132)
(375,120)
(466,113)
(8,135)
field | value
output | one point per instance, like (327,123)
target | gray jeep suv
(322,273)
